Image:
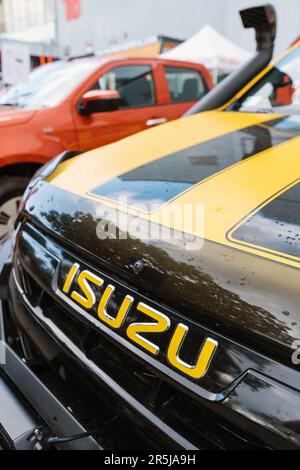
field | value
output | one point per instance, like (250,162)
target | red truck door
(185,84)
(139,109)
(152,91)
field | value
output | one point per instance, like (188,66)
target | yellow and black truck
(150,289)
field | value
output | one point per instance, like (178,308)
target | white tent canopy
(210,48)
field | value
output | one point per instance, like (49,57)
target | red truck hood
(11,116)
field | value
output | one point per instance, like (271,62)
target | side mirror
(99,101)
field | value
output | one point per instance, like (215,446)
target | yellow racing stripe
(227,197)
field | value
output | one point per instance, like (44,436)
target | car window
(134,83)
(185,84)
(278,91)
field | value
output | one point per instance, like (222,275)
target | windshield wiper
(18,98)
(257,110)
(8,104)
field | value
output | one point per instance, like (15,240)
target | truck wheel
(11,190)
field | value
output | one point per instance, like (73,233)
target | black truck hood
(243,281)
(247,298)
(239,286)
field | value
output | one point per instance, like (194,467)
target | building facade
(64,28)
(30,22)
(2,20)
(104,23)
(23,14)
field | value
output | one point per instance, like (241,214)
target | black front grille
(191,418)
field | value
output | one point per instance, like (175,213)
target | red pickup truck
(85,103)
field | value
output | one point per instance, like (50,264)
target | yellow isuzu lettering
(89,299)
(118,321)
(198,370)
(70,278)
(161,326)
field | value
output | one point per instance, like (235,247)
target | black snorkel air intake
(263,20)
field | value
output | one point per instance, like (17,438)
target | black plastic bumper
(134,404)
(19,424)
(29,412)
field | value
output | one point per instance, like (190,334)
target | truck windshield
(48,85)
(278,91)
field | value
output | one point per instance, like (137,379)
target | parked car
(187,337)
(83,104)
